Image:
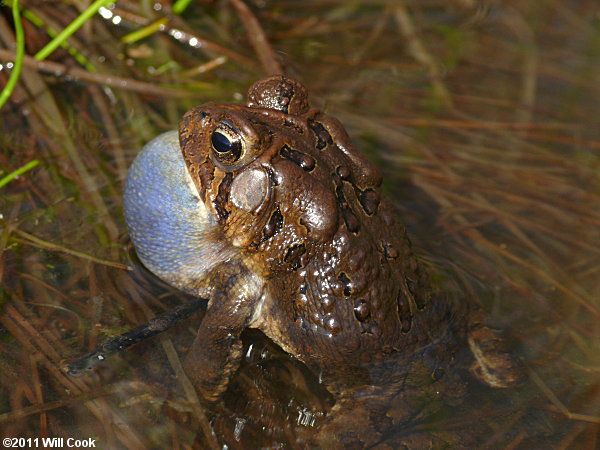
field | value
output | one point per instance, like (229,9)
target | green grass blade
(16,71)
(20,171)
(144,32)
(38,22)
(180,5)
(70,29)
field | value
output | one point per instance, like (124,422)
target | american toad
(275,217)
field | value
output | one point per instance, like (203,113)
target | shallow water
(485,122)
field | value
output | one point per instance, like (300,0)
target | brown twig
(33,340)
(77,74)
(186,37)
(30,239)
(258,39)
(418,51)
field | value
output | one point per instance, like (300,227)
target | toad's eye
(227,144)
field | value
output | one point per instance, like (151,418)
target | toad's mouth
(174,235)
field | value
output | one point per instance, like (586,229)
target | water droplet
(105,13)
(332,325)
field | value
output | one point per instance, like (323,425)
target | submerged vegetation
(484,116)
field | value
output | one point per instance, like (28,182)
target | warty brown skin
(320,263)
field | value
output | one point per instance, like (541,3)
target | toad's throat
(174,236)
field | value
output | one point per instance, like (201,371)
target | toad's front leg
(235,296)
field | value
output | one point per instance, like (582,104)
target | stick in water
(154,326)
